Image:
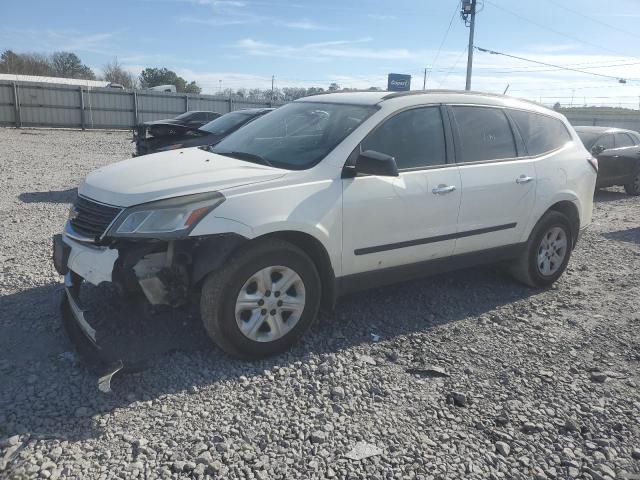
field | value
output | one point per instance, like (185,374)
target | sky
(243,43)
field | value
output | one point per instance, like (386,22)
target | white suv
(327,195)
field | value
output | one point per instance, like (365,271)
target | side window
(415,138)
(623,140)
(606,141)
(540,133)
(485,134)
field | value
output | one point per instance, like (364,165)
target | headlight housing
(169,218)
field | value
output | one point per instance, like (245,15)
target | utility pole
(469,16)
(424,81)
(273,77)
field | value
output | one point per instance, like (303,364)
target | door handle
(523,179)
(442,189)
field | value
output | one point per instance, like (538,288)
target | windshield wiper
(250,157)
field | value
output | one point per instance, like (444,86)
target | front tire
(547,252)
(262,300)
(633,187)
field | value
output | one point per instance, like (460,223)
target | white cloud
(375,16)
(324,50)
(304,25)
(70,40)
(552,48)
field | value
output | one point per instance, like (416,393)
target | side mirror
(597,149)
(371,162)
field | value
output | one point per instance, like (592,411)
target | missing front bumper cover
(83,336)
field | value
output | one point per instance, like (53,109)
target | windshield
(297,135)
(589,138)
(226,122)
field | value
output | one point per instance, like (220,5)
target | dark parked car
(169,127)
(208,134)
(618,154)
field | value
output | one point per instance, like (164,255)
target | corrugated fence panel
(62,105)
(7,109)
(156,106)
(211,104)
(54,105)
(59,105)
(629,121)
(108,108)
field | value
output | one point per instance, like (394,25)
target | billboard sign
(397,82)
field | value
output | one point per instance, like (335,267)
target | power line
(446,34)
(562,67)
(453,67)
(493,52)
(557,32)
(576,12)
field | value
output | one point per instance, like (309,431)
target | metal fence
(29,104)
(629,120)
(32,104)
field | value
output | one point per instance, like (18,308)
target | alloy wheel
(270,303)
(552,251)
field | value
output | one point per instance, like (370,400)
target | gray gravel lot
(473,376)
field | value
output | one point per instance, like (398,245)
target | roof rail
(460,92)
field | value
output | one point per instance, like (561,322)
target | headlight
(170,218)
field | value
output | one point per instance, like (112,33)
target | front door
(393,221)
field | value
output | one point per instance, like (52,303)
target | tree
(152,77)
(115,73)
(69,65)
(192,87)
(25,64)
(334,87)
(10,62)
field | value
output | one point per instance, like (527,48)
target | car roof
(427,96)
(592,129)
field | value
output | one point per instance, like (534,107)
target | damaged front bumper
(83,335)
(156,272)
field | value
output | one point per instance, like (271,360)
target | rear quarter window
(540,133)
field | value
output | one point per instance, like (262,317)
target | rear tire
(633,187)
(547,252)
(262,300)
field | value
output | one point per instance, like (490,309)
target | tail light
(594,163)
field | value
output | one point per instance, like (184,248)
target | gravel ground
(466,375)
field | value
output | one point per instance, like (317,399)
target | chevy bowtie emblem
(73,213)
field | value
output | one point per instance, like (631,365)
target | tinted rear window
(623,140)
(485,134)
(540,133)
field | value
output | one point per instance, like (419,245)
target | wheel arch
(570,210)
(318,254)
(214,254)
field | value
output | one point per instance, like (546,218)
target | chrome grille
(92,218)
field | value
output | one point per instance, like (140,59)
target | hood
(171,174)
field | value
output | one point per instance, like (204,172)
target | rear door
(498,188)
(606,162)
(393,221)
